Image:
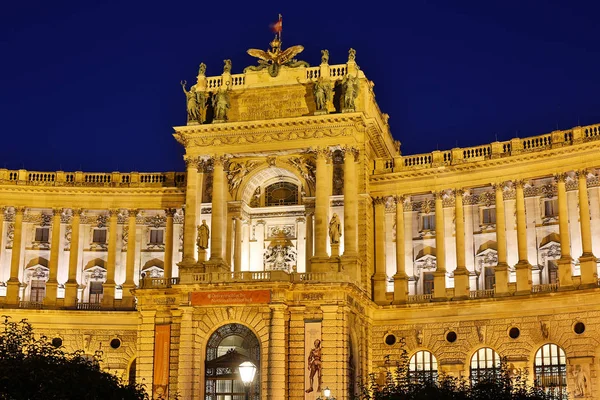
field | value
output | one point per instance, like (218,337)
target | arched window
(422,366)
(132,372)
(281,194)
(226,349)
(551,369)
(485,363)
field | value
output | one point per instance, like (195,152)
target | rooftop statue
(275,58)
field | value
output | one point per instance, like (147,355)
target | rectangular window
(42,234)
(427,282)
(551,208)
(38,290)
(428,222)
(156,236)
(96,291)
(489,216)
(490,278)
(99,236)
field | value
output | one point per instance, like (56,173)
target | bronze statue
(325,56)
(203,235)
(349,92)
(314,366)
(335,229)
(273,59)
(323,93)
(220,104)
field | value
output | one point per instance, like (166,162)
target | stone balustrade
(105,179)
(493,150)
(545,288)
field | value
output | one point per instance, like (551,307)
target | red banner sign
(231,297)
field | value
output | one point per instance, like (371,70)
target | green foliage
(34,369)
(501,385)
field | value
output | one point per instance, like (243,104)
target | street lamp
(327,394)
(247,372)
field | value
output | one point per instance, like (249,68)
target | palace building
(301,239)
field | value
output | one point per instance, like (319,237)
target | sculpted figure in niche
(324,56)
(193,106)
(349,92)
(220,104)
(203,235)
(323,93)
(335,231)
(581,381)
(314,366)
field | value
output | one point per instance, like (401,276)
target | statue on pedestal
(323,92)
(220,104)
(196,103)
(349,92)
(203,235)
(335,229)
(227,66)
(325,56)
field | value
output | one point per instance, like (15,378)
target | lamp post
(247,371)
(327,394)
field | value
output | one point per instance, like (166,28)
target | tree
(34,369)
(498,385)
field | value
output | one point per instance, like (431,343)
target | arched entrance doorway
(226,349)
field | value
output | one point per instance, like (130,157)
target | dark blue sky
(95,85)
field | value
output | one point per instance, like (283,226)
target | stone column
(189,223)
(439,276)
(13,284)
(237,250)
(587,261)
(52,284)
(523,267)
(296,353)
(277,367)
(564,264)
(323,175)
(129,283)
(108,295)
(400,278)
(168,263)
(350,203)
(309,240)
(501,269)
(380,276)
(219,214)
(229,236)
(461,274)
(71,285)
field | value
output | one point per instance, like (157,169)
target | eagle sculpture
(274,58)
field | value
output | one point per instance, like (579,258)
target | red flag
(277,26)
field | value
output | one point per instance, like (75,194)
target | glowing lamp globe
(327,392)
(247,372)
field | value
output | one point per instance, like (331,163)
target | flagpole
(280,27)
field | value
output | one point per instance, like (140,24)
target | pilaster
(564,264)
(523,267)
(13,284)
(71,285)
(461,274)
(587,261)
(501,269)
(439,276)
(380,276)
(400,278)
(52,284)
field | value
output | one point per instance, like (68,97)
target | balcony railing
(482,294)
(419,298)
(155,283)
(89,306)
(38,305)
(265,276)
(545,288)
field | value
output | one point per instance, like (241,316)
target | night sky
(94,86)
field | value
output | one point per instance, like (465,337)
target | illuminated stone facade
(449,250)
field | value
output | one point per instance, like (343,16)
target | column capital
(57,211)
(191,162)
(322,152)
(560,177)
(499,185)
(20,209)
(399,199)
(114,212)
(170,212)
(459,192)
(219,160)
(438,195)
(379,200)
(581,174)
(348,151)
(77,212)
(133,212)
(519,183)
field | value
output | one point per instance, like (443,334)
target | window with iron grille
(485,363)
(422,367)
(551,369)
